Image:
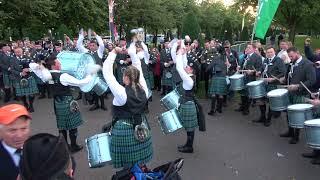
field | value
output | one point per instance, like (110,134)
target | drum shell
(100,86)
(171,100)
(236,84)
(312,135)
(256,91)
(279,103)
(170,121)
(98,148)
(297,118)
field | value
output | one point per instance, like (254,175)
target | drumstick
(275,77)
(283,86)
(305,87)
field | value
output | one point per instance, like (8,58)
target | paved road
(232,147)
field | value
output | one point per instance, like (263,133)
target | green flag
(267,9)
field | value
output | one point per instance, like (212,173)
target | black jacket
(8,170)
(274,68)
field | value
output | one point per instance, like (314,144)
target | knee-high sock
(190,138)
(64,133)
(73,133)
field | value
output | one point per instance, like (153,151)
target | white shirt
(65,79)
(283,54)
(118,91)
(298,61)
(187,81)
(85,50)
(12,151)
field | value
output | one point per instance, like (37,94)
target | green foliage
(190,26)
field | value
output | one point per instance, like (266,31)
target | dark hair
(270,47)
(50,61)
(292,49)
(134,75)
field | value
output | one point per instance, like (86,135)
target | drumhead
(300,106)
(313,122)
(236,76)
(255,83)
(277,92)
(97,136)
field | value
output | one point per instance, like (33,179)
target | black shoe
(94,107)
(315,161)
(286,134)
(42,96)
(76,148)
(219,110)
(186,149)
(309,155)
(211,113)
(267,123)
(103,108)
(293,141)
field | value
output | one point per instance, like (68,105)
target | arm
(174,51)
(282,68)
(146,52)
(310,76)
(137,63)
(309,53)
(187,83)
(101,46)
(80,44)
(43,73)
(118,91)
(68,80)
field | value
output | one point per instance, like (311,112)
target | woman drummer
(187,109)
(131,137)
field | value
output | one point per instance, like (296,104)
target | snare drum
(237,82)
(312,129)
(278,99)
(98,148)
(256,89)
(298,114)
(171,100)
(170,121)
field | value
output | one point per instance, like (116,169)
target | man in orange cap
(14,131)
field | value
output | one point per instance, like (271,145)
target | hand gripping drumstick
(305,87)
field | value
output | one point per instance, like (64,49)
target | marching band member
(122,60)
(274,69)
(218,87)
(128,112)
(25,83)
(251,66)
(188,105)
(97,53)
(301,70)
(5,68)
(167,64)
(66,108)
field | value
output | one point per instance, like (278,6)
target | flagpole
(255,22)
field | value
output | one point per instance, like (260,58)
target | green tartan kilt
(218,85)
(7,82)
(270,87)
(31,89)
(125,149)
(66,120)
(37,79)
(166,81)
(151,79)
(188,115)
(297,99)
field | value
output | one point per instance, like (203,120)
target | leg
(7,97)
(188,148)
(213,106)
(96,103)
(314,154)
(102,103)
(290,131)
(240,109)
(262,118)
(295,138)
(224,103)
(42,91)
(73,133)
(65,134)
(246,105)
(25,103)
(163,90)
(267,123)
(219,104)
(31,99)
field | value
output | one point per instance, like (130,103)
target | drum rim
(306,124)
(310,106)
(97,136)
(277,95)
(236,76)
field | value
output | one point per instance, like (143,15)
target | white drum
(237,82)
(256,89)
(278,99)
(312,129)
(298,114)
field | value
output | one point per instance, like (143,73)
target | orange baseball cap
(11,112)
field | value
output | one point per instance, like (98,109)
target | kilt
(125,149)
(218,85)
(31,89)
(7,82)
(151,77)
(66,120)
(297,99)
(188,115)
(270,87)
(166,81)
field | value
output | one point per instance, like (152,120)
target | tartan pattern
(297,99)
(32,88)
(218,85)
(270,87)
(151,77)
(37,79)
(66,120)
(148,81)
(188,115)
(6,80)
(166,81)
(125,149)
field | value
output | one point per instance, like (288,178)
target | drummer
(131,136)
(301,70)
(66,109)
(273,69)
(218,86)
(187,109)
(251,67)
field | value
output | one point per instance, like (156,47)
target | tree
(190,26)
